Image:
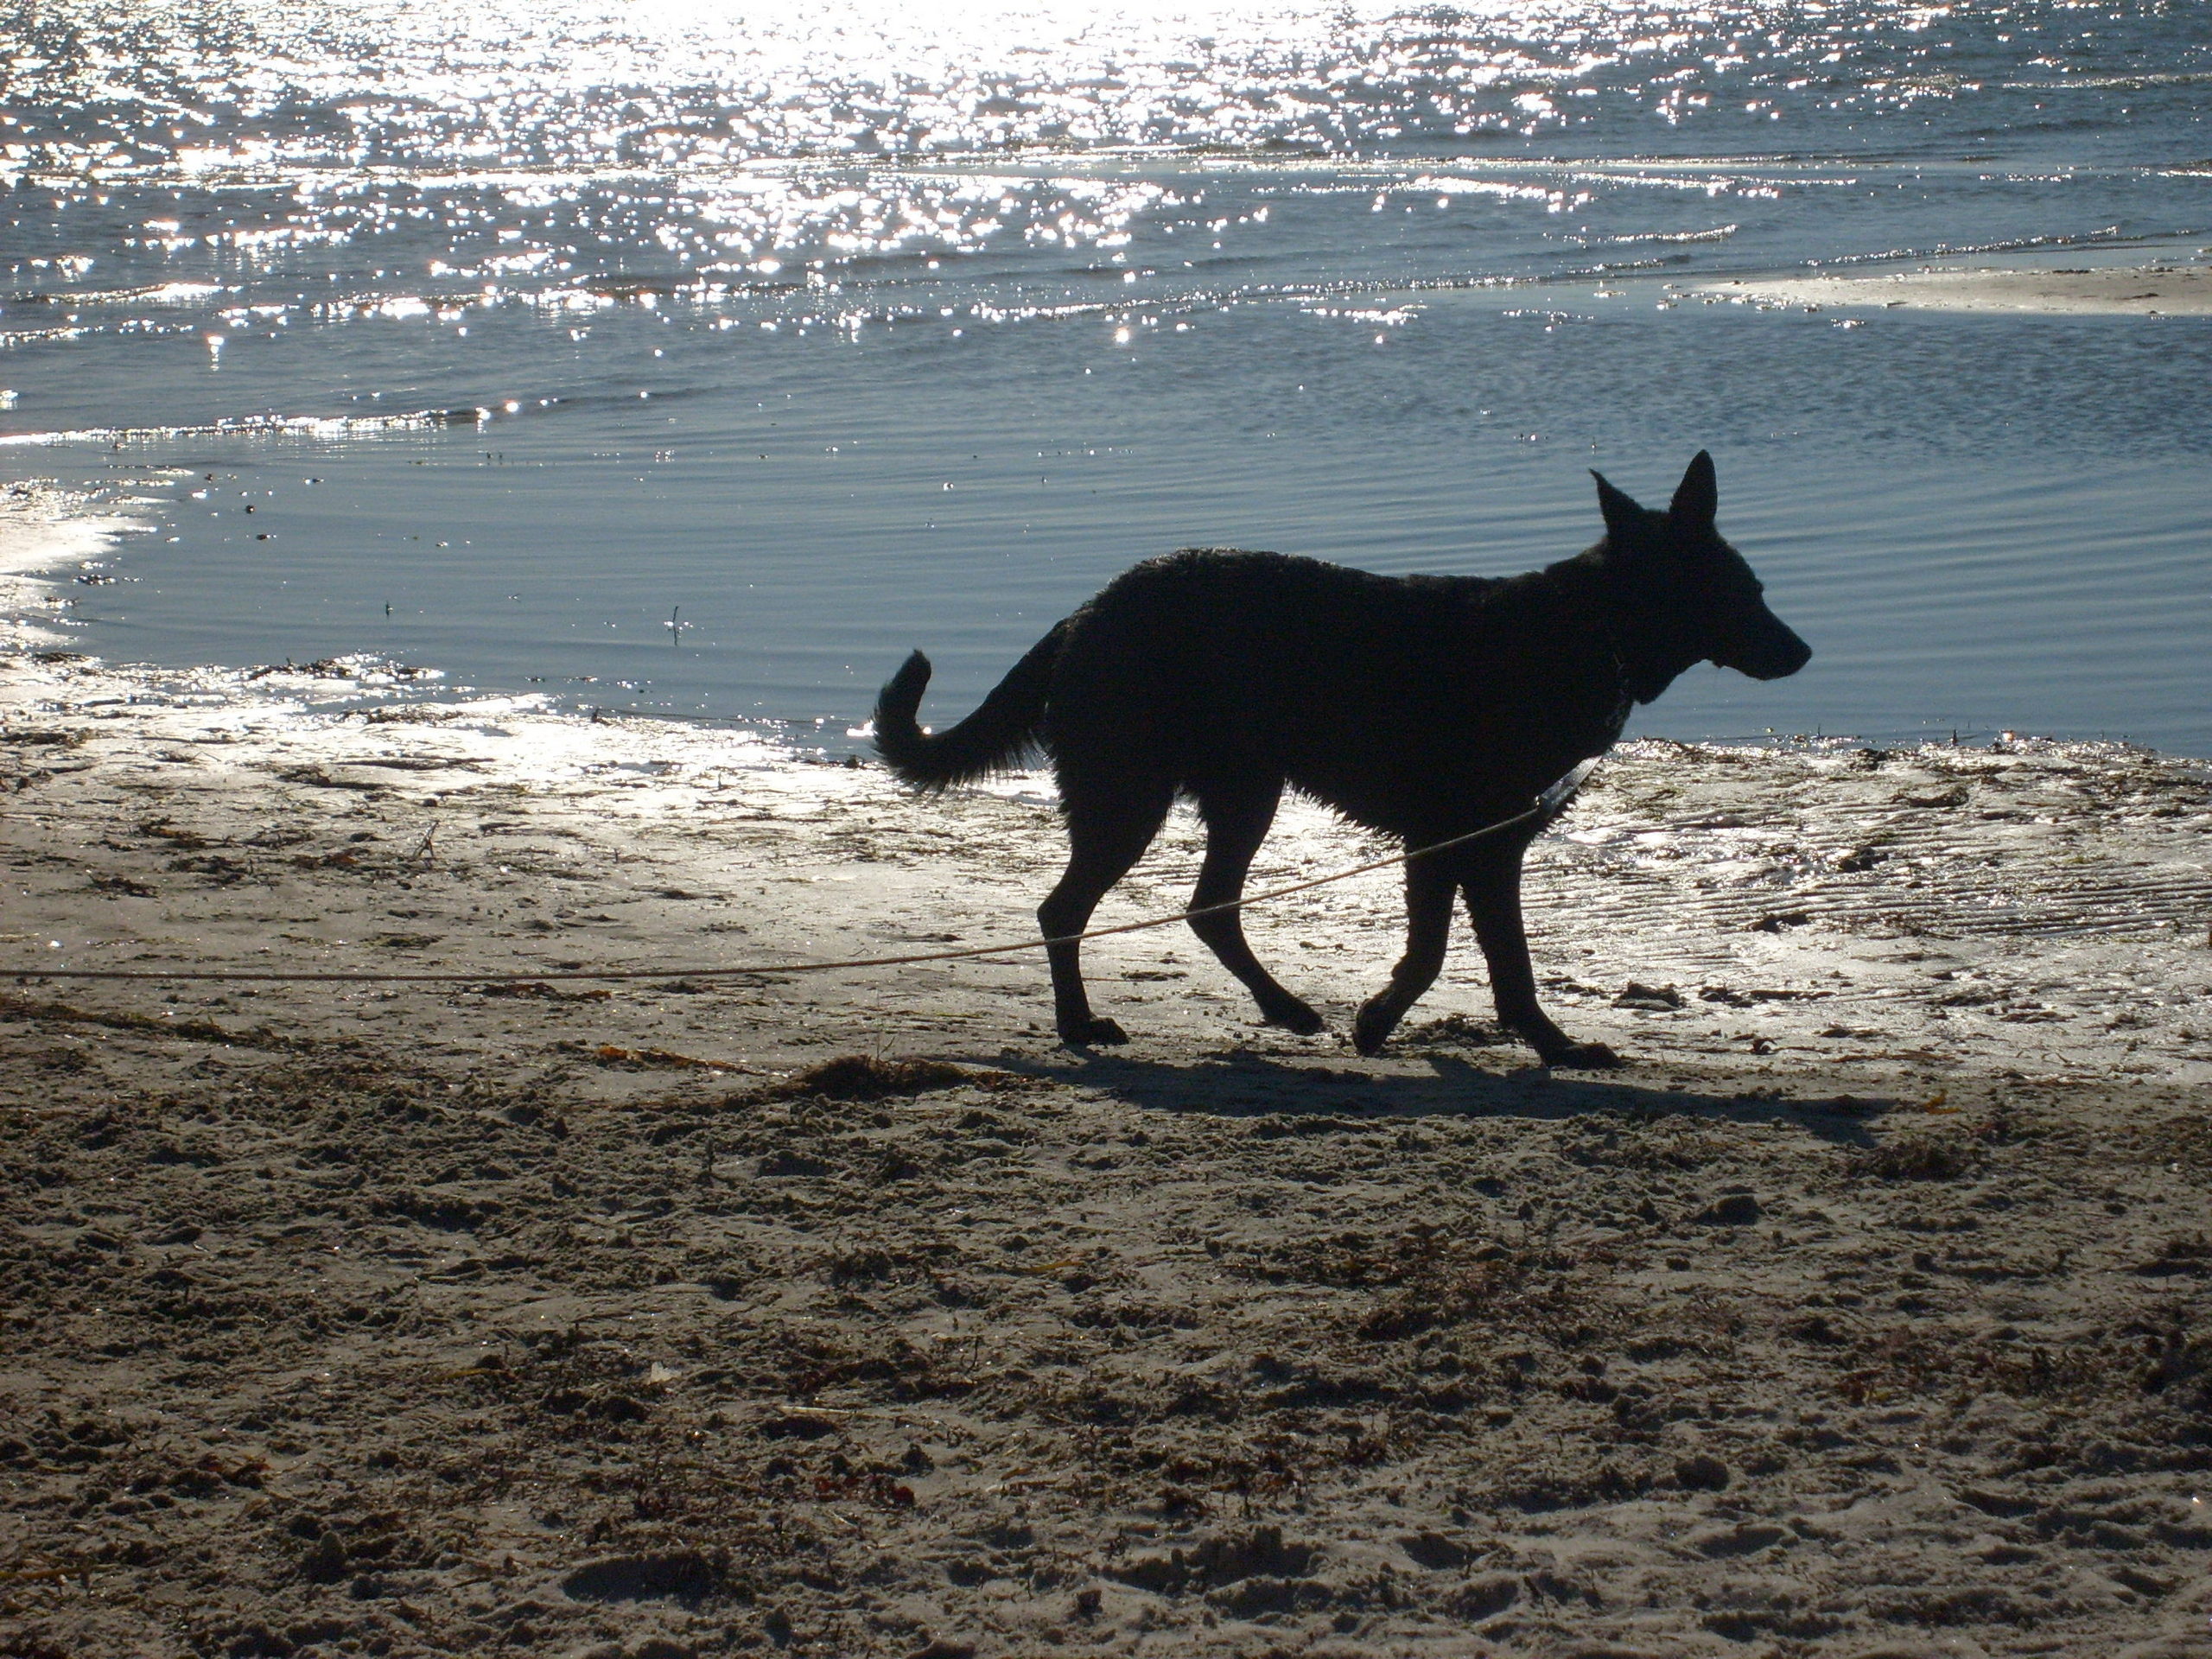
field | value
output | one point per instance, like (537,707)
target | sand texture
(2143,291)
(1867,1312)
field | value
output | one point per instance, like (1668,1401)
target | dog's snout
(1784,655)
(1769,649)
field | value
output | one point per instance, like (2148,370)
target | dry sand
(2166,291)
(1866,1312)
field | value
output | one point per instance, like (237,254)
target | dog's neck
(1641,667)
(1644,673)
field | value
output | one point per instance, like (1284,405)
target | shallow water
(526,332)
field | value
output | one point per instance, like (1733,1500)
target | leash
(1547,806)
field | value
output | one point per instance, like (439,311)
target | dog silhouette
(1421,707)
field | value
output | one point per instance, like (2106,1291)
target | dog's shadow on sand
(1241,1082)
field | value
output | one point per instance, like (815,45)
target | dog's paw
(1295,1017)
(1093,1033)
(1583,1056)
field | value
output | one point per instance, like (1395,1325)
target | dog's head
(1685,594)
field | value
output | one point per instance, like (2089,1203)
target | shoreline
(1747,822)
(43,530)
(435,1317)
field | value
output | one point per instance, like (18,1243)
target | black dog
(1423,707)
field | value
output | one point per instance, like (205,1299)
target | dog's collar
(1623,693)
(1633,682)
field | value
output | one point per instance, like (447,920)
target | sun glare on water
(690,84)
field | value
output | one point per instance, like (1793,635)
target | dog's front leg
(1493,890)
(1428,924)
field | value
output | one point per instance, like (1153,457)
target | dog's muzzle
(1768,650)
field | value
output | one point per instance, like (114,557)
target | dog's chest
(1623,705)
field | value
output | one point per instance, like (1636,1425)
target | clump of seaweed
(1920,1158)
(1357,1261)
(1918,1361)
(864,1077)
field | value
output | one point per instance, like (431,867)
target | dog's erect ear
(1623,516)
(1697,497)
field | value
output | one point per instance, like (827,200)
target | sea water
(703,359)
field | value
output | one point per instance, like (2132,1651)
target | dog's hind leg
(1108,831)
(1237,816)
(1428,924)
(1492,887)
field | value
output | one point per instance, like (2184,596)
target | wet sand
(2143,291)
(1865,1313)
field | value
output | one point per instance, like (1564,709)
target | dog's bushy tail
(996,736)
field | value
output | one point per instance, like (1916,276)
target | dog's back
(1399,700)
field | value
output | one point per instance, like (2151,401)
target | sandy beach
(1865,1312)
(2163,290)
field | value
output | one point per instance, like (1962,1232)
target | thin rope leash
(1549,803)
